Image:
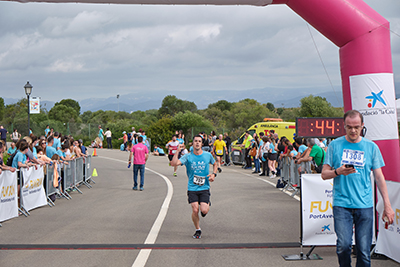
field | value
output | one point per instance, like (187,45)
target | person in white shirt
(108,138)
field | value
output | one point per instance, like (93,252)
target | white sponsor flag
(388,239)
(373,95)
(32,191)
(9,195)
(34,107)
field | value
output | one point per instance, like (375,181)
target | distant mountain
(153,100)
(145,100)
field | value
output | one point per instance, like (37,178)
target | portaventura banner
(32,192)
(9,195)
(317,214)
(388,238)
(317,219)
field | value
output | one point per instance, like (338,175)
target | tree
(172,105)
(290,114)
(270,106)
(316,106)
(63,114)
(185,121)
(247,112)
(161,131)
(1,108)
(221,105)
(70,103)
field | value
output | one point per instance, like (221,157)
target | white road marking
(269,182)
(144,254)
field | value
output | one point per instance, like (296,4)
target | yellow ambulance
(280,127)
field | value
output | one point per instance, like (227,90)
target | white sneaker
(272,176)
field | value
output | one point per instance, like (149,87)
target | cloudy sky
(83,51)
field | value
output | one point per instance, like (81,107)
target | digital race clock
(320,127)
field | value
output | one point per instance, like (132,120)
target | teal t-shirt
(19,157)
(11,150)
(197,169)
(354,190)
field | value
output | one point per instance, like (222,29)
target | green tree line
(174,114)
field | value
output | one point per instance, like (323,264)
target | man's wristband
(336,173)
(215,175)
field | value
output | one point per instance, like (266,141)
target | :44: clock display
(320,127)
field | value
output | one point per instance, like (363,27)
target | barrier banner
(316,198)
(9,195)
(32,191)
(388,238)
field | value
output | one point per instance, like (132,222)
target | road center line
(144,254)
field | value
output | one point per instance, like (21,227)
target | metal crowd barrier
(88,170)
(290,174)
(72,175)
(50,189)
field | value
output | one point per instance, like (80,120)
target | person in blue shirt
(349,161)
(82,147)
(158,151)
(56,141)
(46,131)
(11,149)
(50,150)
(19,160)
(197,170)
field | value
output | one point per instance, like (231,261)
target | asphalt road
(250,223)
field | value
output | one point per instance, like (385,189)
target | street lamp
(118,102)
(28,91)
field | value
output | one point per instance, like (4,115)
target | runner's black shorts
(170,157)
(199,196)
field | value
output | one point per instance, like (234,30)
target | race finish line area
(148,246)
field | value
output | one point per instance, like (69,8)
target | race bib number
(219,152)
(354,157)
(199,180)
(173,151)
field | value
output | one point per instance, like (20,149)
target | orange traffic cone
(94,153)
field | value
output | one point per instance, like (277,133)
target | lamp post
(28,91)
(118,102)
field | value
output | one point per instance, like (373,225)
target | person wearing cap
(125,138)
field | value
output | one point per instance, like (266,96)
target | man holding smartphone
(349,161)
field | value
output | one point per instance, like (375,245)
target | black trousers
(247,158)
(109,144)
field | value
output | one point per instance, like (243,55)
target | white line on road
(271,183)
(144,254)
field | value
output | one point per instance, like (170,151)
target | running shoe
(197,234)
(202,214)
(175,174)
(141,189)
(272,176)
(134,188)
(219,170)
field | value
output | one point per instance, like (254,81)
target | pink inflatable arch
(365,60)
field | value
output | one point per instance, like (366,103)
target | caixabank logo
(326,230)
(374,98)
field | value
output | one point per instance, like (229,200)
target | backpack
(11,158)
(129,136)
(280,184)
